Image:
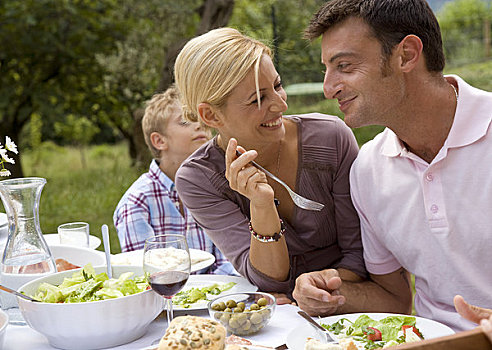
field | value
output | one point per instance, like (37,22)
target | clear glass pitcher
(26,255)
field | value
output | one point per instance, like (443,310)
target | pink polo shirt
(435,220)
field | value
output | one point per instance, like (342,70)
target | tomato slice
(373,334)
(414,329)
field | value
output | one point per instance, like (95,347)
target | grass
(73,193)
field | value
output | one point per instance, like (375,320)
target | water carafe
(26,255)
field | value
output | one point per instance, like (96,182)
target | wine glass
(167,264)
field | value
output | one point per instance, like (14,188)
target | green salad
(85,285)
(186,298)
(389,331)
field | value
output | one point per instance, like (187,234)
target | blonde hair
(157,114)
(211,65)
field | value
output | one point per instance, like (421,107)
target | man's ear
(210,115)
(410,52)
(159,141)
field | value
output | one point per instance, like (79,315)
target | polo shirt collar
(471,121)
(473,115)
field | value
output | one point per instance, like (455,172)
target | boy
(151,206)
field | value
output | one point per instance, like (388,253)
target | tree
(48,59)
(78,131)
(465,25)
(297,60)
(143,62)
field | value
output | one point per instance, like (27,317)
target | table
(274,334)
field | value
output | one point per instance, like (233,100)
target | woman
(228,82)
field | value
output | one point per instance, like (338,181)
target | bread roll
(192,332)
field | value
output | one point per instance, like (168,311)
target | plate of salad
(371,330)
(200,289)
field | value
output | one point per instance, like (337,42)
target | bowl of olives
(243,313)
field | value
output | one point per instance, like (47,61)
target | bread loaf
(192,332)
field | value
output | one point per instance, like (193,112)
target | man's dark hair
(390,21)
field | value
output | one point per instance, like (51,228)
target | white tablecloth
(274,334)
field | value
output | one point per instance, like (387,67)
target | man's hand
(470,312)
(317,292)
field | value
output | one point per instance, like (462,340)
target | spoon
(7,289)
(107,249)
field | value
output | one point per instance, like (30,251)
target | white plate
(199,259)
(54,239)
(296,339)
(200,281)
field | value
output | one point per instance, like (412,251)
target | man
(423,186)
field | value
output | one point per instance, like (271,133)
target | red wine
(168,283)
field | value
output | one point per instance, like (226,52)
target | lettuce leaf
(85,285)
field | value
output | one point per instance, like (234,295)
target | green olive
(237,310)
(224,319)
(228,309)
(262,302)
(234,323)
(256,318)
(241,305)
(231,304)
(222,306)
(254,307)
(247,325)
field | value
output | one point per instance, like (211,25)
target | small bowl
(79,256)
(4,321)
(91,325)
(247,321)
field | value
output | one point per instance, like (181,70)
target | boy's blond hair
(157,115)
(211,65)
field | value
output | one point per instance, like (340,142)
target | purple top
(329,238)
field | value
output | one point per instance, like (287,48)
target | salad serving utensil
(16,293)
(107,249)
(298,200)
(326,337)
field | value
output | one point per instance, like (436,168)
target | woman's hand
(244,177)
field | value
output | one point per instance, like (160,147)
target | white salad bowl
(91,325)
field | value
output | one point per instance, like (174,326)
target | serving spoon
(7,289)
(107,249)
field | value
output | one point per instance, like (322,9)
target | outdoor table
(274,334)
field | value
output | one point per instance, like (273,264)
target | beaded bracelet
(266,239)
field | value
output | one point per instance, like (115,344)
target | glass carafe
(26,255)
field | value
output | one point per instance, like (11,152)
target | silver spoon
(7,289)
(107,249)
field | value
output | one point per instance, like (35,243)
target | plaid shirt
(151,207)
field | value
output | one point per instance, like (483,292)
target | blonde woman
(228,82)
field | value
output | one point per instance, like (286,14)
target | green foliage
(296,59)
(462,24)
(47,58)
(76,130)
(73,194)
